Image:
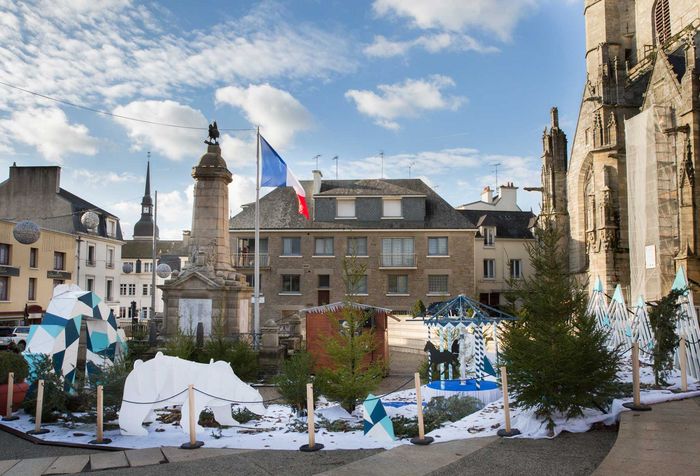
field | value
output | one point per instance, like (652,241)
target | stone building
(137,258)
(208,290)
(630,202)
(28,273)
(413,244)
(35,193)
(500,252)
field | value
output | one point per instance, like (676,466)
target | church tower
(143,229)
(554,152)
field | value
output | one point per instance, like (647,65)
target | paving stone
(31,467)
(7,464)
(144,457)
(68,464)
(108,460)
(177,455)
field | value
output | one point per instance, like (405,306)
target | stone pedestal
(272,353)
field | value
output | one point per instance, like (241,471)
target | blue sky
(446,88)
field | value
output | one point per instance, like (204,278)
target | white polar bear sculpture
(164,376)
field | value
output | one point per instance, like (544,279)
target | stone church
(627,197)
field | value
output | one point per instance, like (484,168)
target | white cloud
(407,99)
(277,112)
(497,17)
(102,178)
(382,47)
(50,132)
(241,191)
(173,143)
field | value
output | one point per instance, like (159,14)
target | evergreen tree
(558,361)
(662,318)
(351,376)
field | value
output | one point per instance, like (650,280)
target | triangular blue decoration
(87,299)
(58,361)
(680,282)
(617,295)
(53,320)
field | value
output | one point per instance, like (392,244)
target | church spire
(143,229)
(147,192)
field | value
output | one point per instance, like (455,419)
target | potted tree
(11,362)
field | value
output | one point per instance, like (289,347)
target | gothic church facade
(627,196)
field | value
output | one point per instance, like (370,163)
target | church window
(662,21)
(589,194)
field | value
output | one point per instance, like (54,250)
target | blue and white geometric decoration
(378,425)
(58,335)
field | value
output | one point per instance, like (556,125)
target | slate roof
(79,204)
(509,224)
(134,249)
(278,209)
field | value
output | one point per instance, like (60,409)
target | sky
(444,89)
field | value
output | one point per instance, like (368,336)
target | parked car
(6,337)
(20,336)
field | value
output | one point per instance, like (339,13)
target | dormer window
(391,208)
(489,233)
(662,21)
(345,208)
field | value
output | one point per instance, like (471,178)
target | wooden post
(312,446)
(99,433)
(422,439)
(193,443)
(636,404)
(38,430)
(684,363)
(10,397)
(508,431)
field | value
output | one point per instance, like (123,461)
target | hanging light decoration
(90,220)
(163,270)
(128,267)
(26,232)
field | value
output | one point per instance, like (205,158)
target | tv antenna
(336,166)
(410,166)
(316,157)
(381,155)
(495,167)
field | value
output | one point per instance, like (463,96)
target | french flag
(275,173)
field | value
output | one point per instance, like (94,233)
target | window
(122,312)
(358,287)
(59,260)
(398,252)
(516,269)
(391,208)
(31,293)
(490,299)
(144,290)
(90,261)
(132,290)
(489,268)
(250,279)
(109,295)
(489,235)
(111,228)
(291,283)
(122,289)
(144,312)
(110,257)
(34,257)
(324,281)
(89,283)
(357,246)
(323,247)
(437,284)
(4,288)
(148,267)
(291,246)
(398,284)
(4,254)
(662,21)
(437,246)
(345,208)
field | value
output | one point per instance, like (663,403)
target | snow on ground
(276,429)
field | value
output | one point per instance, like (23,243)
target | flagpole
(256,282)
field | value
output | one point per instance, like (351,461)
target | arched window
(662,21)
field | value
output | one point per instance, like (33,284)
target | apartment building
(411,243)
(500,252)
(28,273)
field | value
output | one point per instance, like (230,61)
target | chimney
(47,179)
(317,181)
(186,234)
(508,197)
(486,195)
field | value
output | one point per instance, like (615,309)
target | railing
(397,260)
(247,260)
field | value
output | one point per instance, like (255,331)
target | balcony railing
(247,260)
(397,260)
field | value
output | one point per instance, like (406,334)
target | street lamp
(26,232)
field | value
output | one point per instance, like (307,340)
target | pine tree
(351,376)
(662,318)
(557,360)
